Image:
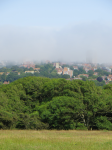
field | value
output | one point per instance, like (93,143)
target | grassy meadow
(55,140)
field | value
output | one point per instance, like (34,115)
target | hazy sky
(68,30)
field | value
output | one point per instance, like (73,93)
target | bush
(81,126)
(103,123)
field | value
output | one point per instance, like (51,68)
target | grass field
(55,140)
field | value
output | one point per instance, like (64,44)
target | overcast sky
(67,30)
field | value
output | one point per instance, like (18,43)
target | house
(66,70)
(6,82)
(109,78)
(75,67)
(57,65)
(18,73)
(59,70)
(86,69)
(86,75)
(77,78)
(106,69)
(7,73)
(70,72)
(30,72)
(87,65)
(94,68)
(1,73)
(37,69)
(95,73)
(103,77)
(28,65)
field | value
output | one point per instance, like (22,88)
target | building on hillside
(6,82)
(94,68)
(66,70)
(103,77)
(57,65)
(1,73)
(75,67)
(37,69)
(109,79)
(110,76)
(7,73)
(77,78)
(87,65)
(28,65)
(95,73)
(86,69)
(70,72)
(30,72)
(59,70)
(86,75)
(106,69)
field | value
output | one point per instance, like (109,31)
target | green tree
(90,72)
(61,113)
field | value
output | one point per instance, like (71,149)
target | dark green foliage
(7,119)
(97,83)
(79,71)
(65,76)
(80,126)
(30,121)
(90,72)
(102,72)
(61,112)
(99,79)
(103,123)
(84,78)
(43,103)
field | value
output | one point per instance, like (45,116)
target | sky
(66,30)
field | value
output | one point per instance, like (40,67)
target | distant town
(101,74)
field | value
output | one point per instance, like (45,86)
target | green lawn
(55,140)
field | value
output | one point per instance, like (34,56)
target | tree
(99,79)
(61,113)
(66,76)
(91,103)
(84,78)
(90,72)
(97,83)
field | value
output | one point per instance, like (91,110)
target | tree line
(44,103)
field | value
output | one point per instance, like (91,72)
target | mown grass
(55,140)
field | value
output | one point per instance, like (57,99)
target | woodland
(44,103)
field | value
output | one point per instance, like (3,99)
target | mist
(71,43)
